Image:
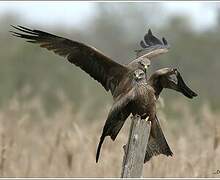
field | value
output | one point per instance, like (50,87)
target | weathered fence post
(135,149)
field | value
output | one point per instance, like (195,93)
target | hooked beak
(137,77)
(145,68)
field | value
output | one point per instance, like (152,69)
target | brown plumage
(132,92)
(157,143)
(100,67)
(164,78)
(169,78)
(139,100)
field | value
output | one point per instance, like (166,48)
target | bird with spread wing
(133,93)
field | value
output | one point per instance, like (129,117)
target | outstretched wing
(169,78)
(116,118)
(152,46)
(101,68)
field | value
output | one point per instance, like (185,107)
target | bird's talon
(147,118)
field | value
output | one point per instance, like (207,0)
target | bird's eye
(141,63)
(142,74)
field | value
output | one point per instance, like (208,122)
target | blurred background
(52,113)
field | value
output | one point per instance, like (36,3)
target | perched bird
(139,100)
(133,93)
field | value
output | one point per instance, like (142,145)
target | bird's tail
(157,143)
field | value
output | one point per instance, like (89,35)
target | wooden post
(135,149)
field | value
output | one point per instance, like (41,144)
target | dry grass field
(64,145)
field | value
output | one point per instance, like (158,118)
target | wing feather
(100,67)
(116,118)
(162,78)
(152,46)
(157,143)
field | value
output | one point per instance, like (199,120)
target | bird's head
(139,75)
(144,64)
